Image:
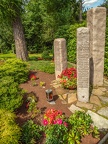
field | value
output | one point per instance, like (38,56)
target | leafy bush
(56,134)
(10,94)
(31,132)
(80,124)
(15,68)
(46,55)
(71,41)
(106,50)
(55,127)
(9,131)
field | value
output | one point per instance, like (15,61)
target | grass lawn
(47,66)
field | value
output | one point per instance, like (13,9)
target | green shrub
(46,55)
(106,51)
(31,132)
(80,124)
(10,94)
(56,134)
(72,41)
(9,131)
(15,68)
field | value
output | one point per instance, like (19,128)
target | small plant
(55,127)
(32,105)
(42,83)
(80,124)
(10,132)
(68,78)
(31,132)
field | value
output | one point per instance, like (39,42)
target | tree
(10,11)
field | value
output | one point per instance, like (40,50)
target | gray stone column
(83,55)
(60,55)
(96,22)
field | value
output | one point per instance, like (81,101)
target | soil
(43,104)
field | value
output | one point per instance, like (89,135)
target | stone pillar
(60,55)
(83,55)
(96,22)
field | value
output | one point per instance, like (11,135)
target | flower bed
(68,78)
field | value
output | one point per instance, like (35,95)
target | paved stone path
(97,107)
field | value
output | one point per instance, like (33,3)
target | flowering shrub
(68,78)
(55,127)
(53,116)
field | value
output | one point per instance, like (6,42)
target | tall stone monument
(96,22)
(83,72)
(60,55)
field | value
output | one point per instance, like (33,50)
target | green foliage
(72,41)
(46,55)
(10,94)
(9,131)
(106,50)
(80,124)
(15,68)
(56,134)
(31,132)
(45,66)
(32,105)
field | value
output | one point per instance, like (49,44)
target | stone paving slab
(84,105)
(103,98)
(95,100)
(98,121)
(74,108)
(103,111)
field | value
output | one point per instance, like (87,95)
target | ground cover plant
(31,132)
(10,132)
(15,68)
(10,94)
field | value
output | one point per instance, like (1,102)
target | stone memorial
(60,55)
(83,72)
(96,22)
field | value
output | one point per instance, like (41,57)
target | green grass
(45,66)
(35,64)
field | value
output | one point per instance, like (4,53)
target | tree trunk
(20,45)
(80,16)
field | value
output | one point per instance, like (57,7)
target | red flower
(33,77)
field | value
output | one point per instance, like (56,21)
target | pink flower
(59,121)
(65,124)
(55,121)
(45,122)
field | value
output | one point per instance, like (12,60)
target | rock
(84,105)
(74,108)
(64,102)
(103,111)
(104,99)
(103,89)
(97,92)
(98,121)
(105,82)
(61,91)
(72,98)
(65,96)
(95,100)
(60,97)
